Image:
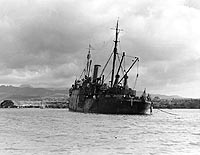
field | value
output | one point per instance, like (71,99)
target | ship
(92,94)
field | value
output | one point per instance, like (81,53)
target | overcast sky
(44,42)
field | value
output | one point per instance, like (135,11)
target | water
(60,132)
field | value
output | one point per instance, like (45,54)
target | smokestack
(95,73)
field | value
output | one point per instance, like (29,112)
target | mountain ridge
(13,92)
(27,91)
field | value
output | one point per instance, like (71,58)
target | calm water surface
(60,132)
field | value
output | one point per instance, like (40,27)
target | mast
(117,30)
(117,76)
(88,62)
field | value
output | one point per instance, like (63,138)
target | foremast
(89,61)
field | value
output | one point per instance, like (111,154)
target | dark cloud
(44,42)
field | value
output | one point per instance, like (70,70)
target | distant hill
(166,96)
(161,96)
(25,86)
(26,92)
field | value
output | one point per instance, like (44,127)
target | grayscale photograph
(99,77)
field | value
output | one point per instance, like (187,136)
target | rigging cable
(167,112)
(118,57)
(82,73)
(107,76)
(122,67)
(130,56)
(106,64)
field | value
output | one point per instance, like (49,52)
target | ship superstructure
(91,94)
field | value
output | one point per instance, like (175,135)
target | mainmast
(117,30)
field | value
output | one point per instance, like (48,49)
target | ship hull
(91,94)
(109,105)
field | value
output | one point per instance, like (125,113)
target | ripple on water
(34,131)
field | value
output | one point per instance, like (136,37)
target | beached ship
(91,94)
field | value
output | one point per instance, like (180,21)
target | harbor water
(60,132)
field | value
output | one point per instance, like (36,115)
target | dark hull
(109,105)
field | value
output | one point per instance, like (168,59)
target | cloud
(44,41)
